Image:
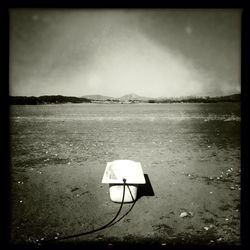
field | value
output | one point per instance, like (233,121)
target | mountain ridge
(130,98)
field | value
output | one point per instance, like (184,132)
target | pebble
(20,201)
(220,239)
(206,228)
(183,214)
(232,188)
(211,192)
(209,146)
(163,244)
(226,219)
(19,182)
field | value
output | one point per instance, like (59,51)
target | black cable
(128,210)
(100,228)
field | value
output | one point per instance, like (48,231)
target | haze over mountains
(123,98)
(135,97)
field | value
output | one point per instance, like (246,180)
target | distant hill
(99,97)
(198,99)
(133,97)
(47,99)
(125,98)
(130,98)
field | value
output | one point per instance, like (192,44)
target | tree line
(47,99)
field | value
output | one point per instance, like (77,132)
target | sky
(113,52)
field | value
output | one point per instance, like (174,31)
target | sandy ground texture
(191,164)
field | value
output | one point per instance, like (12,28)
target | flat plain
(190,154)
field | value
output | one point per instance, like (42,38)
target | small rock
(20,201)
(209,146)
(232,188)
(206,228)
(19,182)
(183,214)
(163,244)
(220,239)
(226,219)
(211,192)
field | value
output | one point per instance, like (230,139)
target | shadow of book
(145,189)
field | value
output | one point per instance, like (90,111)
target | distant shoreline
(59,99)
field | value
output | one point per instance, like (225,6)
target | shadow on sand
(145,189)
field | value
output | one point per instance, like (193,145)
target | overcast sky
(154,52)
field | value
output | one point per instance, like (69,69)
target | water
(118,112)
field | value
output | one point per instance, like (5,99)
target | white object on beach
(183,214)
(118,170)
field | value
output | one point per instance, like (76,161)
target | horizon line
(84,96)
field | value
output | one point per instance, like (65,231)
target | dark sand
(192,165)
